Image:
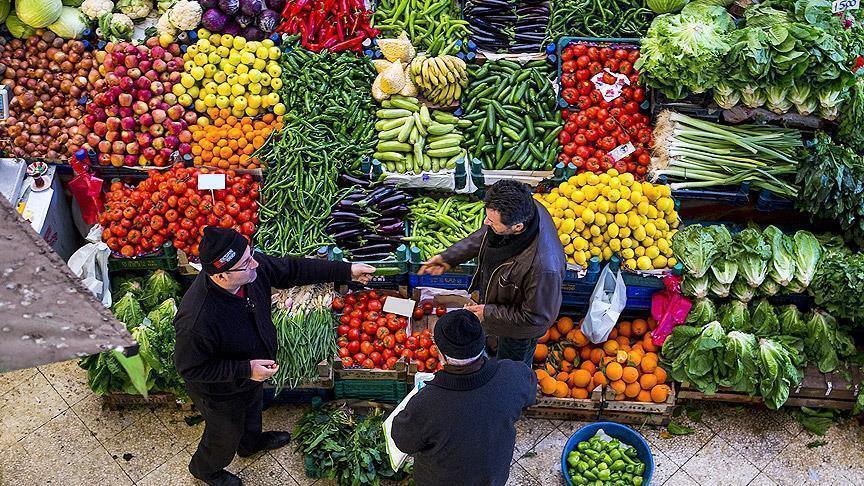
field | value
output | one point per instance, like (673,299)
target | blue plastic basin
(617,431)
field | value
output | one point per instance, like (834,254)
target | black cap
(220,249)
(458,335)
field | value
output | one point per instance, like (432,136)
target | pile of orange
(570,366)
(228,142)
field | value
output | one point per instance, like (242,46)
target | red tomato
(343,352)
(378,344)
(353,334)
(570,148)
(368,364)
(391,363)
(433,350)
(359,357)
(422,354)
(401,336)
(366,348)
(376,358)
(374,305)
(347,362)
(418,313)
(424,342)
(563,137)
(431,363)
(407,353)
(389,341)
(570,95)
(354,347)
(354,323)
(344,329)
(370,328)
(411,342)
(582,62)
(387,353)
(393,325)
(564,158)
(398,348)
(569,66)
(382,332)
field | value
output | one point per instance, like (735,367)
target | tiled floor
(53,431)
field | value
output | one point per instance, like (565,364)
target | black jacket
(523,295)
(461,428)
(218,333)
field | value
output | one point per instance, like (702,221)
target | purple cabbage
(277,5)
(207,4)
(214,20)
(244,20)
(232,28)
(229,7)
(251,7)
(268,20)
(252,33)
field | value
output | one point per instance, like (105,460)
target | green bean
(430,24)
(598,18)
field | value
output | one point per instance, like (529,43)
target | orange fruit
(652,324)
(606,360)
(540,352)
(596,355)
(551,370)
(562,376)
(565,325)
(570,353)
(599,379)
(548,385)
(610,347)
(644,396)
(632,390)
(545,338)
(588,366)
(613,334)
(614,371)
(541,374)
(580,393)
(580,339)
(624,329)
(659,393)
(618,385)
(640,327)
(622,357)
(622,341)
(566,365)
(647,381)
(619,397)
(554,335)
(630,374)
(637,347)
(581,377)
(660,373)
(649,363)
(634,357)
(561,390)
(647,345)
(585,353)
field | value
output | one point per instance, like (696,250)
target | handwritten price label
(610,91)
(622,151)
(844,5)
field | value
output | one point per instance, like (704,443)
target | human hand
(263,369)
(477,310)
(362,273)
(435,266)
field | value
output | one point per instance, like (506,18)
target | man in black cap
(226,343)
(460,427)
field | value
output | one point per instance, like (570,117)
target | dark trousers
(517,349)
(228,426)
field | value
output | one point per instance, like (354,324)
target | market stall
(703,165)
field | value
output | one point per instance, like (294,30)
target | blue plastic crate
(449,281)
(732,195)
(768,202)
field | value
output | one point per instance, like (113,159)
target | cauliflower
(94,9)
(135,9)
(162,6)
(116,26)
(185,14)
(164,26)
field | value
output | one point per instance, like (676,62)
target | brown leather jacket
(523,296)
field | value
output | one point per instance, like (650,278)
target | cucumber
(440,129)
(389,156)
(424,116)
(444,117)
(445,143)
(444,152)
(404,104)
(406,129)
(393,147)
(388,124)
(393,113)
(419,125)
(391,134)
(464,123)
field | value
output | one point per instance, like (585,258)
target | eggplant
(394,210)
(388,221)
(379,194)
(398,199)
(354,180)
(344,216)
(339,226)
(393,229)
(348,234)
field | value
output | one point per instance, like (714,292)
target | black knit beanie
(458,335)
(220,249)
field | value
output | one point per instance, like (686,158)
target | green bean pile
(437,224)
(306,335)
(598,18)
(431,24)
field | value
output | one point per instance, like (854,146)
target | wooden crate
(124,401)
(586,409)
(601,406)
(817,390)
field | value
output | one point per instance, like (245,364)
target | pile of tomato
(594,127)
(372,339)
(167,206)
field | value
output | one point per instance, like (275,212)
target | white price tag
(622,151)
(844,5)
(398,306)
(211,181)
(610,91)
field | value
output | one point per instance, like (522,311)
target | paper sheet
(397,457)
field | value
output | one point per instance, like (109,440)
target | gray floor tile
(143,447)
(664,468)
(106,423)
(69,379)
(762,480)
(678,448)
(719,463)
(681,478)
(520,477)
(529,432)
(266,471)
(27,407)
(543,461)
(751,431)
(174,472)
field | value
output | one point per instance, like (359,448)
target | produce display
(507,25)
(368,223)
(304,333)
(618,18)
(434,25)
(514,115)
(167,206)
(230,142)
(228,72)
(748,263)
(569,366)
(604,462)
(46,76)
(435,225)
(606,126)
(412,138)
(328,25)
(613,214)
(147,308)
(251,19)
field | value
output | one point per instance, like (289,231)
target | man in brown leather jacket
(520,267)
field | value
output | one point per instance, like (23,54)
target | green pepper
(627,477)
(602,466)
(572,461)
(578,479)
(630,452)
(583,446)
(614,443)
(607,459)
(593,454)
(640,469)
(637,481)
(604,475)
(615,455)
(589,474)
(618,465)
(582,466)
(627,459)
(630,468)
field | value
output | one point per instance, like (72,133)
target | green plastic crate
(163,259)
(385,391)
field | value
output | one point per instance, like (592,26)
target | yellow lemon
(615,244)
(627,253)
(624,232)
(630,264)
(564,238)
(590,192)
(579,225)
(568,249)
(592,179)
(626,243)
(626,179)
(623,205)
(662,244)
(595,230)
(665,204)
(614,195)
(652,252)
(568,225)
(604,179)
(643,263)
(639,250)
(595,251)
(570,213)
(660,262)
(633,221)
(577,196)
(621,219)
(639,233)
(607,254)
(588,216)
(612,230)
(671,262)
(597,241)
(600,219)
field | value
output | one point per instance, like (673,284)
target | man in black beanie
(226,343)
(460,427)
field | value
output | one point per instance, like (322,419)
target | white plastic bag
(90,264)
(607,302)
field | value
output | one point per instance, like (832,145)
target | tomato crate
(400,373)
(387,391)
(612,42)
(163,259)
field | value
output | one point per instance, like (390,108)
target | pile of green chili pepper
(598,18)
(432,25)
(437,224)
(515,116)
(596,462)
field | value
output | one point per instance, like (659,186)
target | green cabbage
(782,255)
(741,290)
(792,321)
(740,361)
(38,13)
(666,6)
(162,344)
(764,320)
(754,256)
(769,287)
(157,288)
(777,373)
(735,315)
(129,286)
(717,288)
(820,340)
(696,248)
(806,251)
(725,267)
(70,24)
(18,28)
(702,312)
(679,341)
(695,287)
(5,8)
(705,367)
(128,311)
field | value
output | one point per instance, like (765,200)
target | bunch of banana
(414,139)
(440,78)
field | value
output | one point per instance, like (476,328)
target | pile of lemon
(613,214)
(228,72)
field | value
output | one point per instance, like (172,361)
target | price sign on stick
(844,5)
(211,182)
